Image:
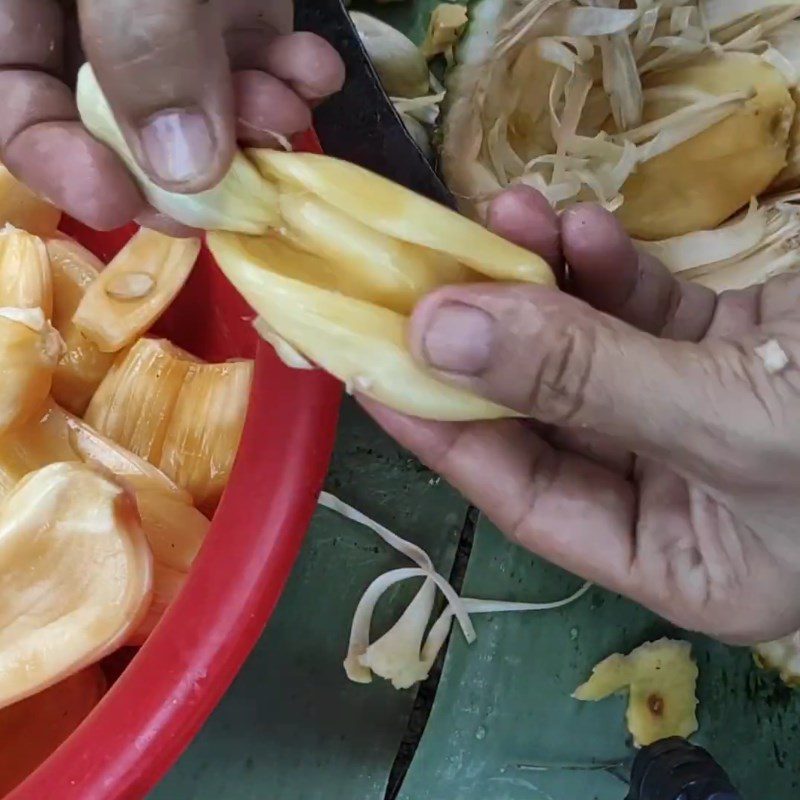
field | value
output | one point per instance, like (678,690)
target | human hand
(185,78)
(665,463)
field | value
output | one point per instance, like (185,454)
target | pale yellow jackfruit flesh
(134,403)
(135,289)
(20,207)
(782,656)
(83,365)
(77,576)
(174,528)
(447,22)
(167,584)
(205,427)
(702,182)
(29,351)
(25,277)
(660,678)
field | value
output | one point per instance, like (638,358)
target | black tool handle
(359,124)
(674,769)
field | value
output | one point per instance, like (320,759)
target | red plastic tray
(166,693)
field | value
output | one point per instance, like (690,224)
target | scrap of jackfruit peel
(32,729)
(20,207)
(134,403)
(402,214)
(362,344)
(25,276)
(396,655)
(77,576)
(447,22)
(397,60)
(83,365)
(242,201)
(368,264)
(661,679)
(167,585)
(700,183)
(135,289)
(782,656)
(205,427)
(29,351)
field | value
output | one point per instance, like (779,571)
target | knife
(671,769)
(360,124)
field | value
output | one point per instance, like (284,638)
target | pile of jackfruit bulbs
(115,448)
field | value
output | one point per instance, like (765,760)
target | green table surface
(293,728)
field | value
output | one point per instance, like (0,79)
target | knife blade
(360,124)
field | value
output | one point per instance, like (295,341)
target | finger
(64,164)
(307,62)
(265,106)
(540,497)
(523,216)
(31,34)
(607,271)
(164,69)
(155,220)
(550,356)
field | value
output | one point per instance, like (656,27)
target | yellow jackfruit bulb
(29,351)
(20,207)
(660,678)
(25,275)
(134,403)
(204,430)
(447,22)
(135,289)
(32,729)
(83,365)
(242,201)
(56,615)
(700,183)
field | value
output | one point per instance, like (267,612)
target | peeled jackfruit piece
(167,585)
(361,343)
(29,351)
(447,22)
(135,289)
(134,403)
(32,729)
(82,365)
(782,656)
(25,277)
(660,678)
(205,427)
(20,207)
(703,181)
(242,201)
(77,576)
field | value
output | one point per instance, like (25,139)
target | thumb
(164,68)
(551,356)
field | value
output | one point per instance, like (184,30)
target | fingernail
(458,338)
(178,144)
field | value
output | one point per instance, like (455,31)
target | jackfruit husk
(672,121)
(32,729)
(83,365)
(660,679)
(77,576)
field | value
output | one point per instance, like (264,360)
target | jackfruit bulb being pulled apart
(706,179)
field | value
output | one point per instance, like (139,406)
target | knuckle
(562,376)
